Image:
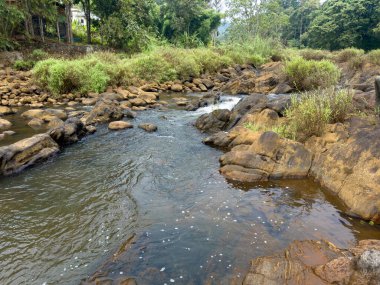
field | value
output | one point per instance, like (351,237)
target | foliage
(30,60)
(374,56)
(309,113)
(347,54)
(23,64)
(10,19)
(311,74)
(315,54)
(96,71)
(348,23)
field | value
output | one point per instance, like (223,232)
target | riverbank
(70,118)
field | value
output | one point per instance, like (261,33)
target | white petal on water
(121,272)
(162,269)
(172,280)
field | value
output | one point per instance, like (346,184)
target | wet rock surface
(150,128)
(345,159)
(318,262)
(20,155)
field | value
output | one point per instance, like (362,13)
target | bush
(374,56)
(311,74)
(315,54)
(309,113)
(38,54)
(63,76)
(349,53)
(23,65)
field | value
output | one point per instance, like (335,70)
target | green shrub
(63,76)
(38,54)
(345,55)
(374,56)
(314,54)
(23,65)
(311,74)
(309,113)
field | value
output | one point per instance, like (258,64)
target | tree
(349,23)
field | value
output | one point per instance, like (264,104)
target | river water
(60,221)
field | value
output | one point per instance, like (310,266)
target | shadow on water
(60,221)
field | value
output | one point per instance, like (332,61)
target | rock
(70,132)
(55,123)
(120,125)
(150,128)
(27,152)
(36,123)
(202,87)
(265,118)
(104,111)
(5,124)
(90,129)
(137,102)
(176,88)
(5,111)
(213,122)
(348,163)
(318,262)
(9,133)
(2,136)
(125,105)
(111,96)
(282,88)
(244,84)
(268,157)
(377,88)
(209,84)
(89,101)
(45,115)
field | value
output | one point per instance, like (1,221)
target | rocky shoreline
(345,159)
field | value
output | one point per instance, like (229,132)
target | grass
(93,73)
(374,56)
(309,113)
(311,74)
(315,54)
(30,61)
(347,54)
(280,129)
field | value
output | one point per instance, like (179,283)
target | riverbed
(62,220)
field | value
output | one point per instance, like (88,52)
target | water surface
(60,221)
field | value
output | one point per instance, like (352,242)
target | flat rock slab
(318,262)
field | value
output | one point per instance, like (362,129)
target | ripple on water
(61,220)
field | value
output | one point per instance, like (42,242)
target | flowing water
(61,220)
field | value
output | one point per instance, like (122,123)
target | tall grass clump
(311,74)
(310,112)
(374,56)
(347,54)
(63,76)
(315,54)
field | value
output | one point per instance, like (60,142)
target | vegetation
(31,60)
(311,74)
(97,71)
(310,112)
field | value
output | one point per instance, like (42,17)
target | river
(61,220)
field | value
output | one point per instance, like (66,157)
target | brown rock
(120,125)
(89,101)
(176,88)
(317,262)
(5,111)
(4,124)
(104,111)
(150,128)
(25,153)
(213,122)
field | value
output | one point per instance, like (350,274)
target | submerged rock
(5,111)
(5,124)
(27,152)
(68,133)
(318,262)
(150,128)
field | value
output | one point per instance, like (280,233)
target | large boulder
(24,153)
(213,122)
(347,161)
(318,262)
(268,157)
(68,133)
(104,111)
